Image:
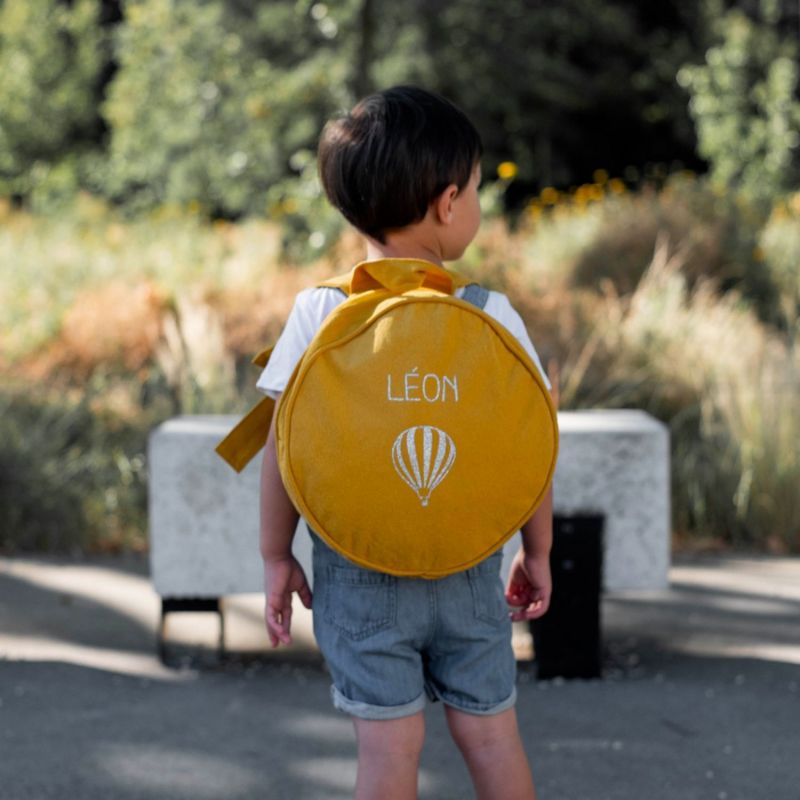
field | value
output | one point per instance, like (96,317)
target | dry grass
(45,264)
(725,383)
(112,323)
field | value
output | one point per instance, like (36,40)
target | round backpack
(415,435)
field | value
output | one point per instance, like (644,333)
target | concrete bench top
(204,517)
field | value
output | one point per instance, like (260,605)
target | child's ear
(443,204)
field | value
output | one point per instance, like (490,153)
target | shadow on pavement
(97,605)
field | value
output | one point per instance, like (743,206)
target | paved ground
(700,697)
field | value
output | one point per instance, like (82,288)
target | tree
(51,59)
(219,103)
(745,104)
(216,102)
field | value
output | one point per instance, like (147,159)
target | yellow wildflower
(595,191)
(600,176)
(616,186)
(780,212)
(115,234)
(549,196)
(582,194)
(507,170)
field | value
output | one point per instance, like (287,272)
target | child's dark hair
(383,163)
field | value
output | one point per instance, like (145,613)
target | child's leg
(493,750)
(388,757)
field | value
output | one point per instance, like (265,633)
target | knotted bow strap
(240,446)
(397,275)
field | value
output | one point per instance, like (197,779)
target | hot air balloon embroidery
(422,456)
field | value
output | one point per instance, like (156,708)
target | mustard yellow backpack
(415,435)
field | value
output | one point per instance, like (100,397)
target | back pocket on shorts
(359,603)
(488,592)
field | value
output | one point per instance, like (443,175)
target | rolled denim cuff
(367,711)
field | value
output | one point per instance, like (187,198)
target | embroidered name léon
(416,388)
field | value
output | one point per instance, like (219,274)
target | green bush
(71,478)
(609,243)
(51,58)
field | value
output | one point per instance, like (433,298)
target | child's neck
(401,247)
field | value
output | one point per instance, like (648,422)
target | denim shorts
(389,642)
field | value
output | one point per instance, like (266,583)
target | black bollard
(567,640)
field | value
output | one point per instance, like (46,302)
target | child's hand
(282,577)
(529,586)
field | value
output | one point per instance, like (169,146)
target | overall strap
(248,436)
(476,294)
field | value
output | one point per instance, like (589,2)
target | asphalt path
(700,696)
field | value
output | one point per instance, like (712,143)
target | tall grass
(728,387)
(679,303)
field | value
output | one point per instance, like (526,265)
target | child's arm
(529,583)
(283,575)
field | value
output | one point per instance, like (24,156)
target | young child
(403,168)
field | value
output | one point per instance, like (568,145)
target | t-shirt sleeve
(311,306)
(502,310)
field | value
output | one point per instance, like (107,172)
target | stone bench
(204,516)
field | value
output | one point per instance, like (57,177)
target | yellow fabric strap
(240,446)
(243,442)
(249,435)
(263,357)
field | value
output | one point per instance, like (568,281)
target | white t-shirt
(311,306)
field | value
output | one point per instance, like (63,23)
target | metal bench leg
(178,604)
